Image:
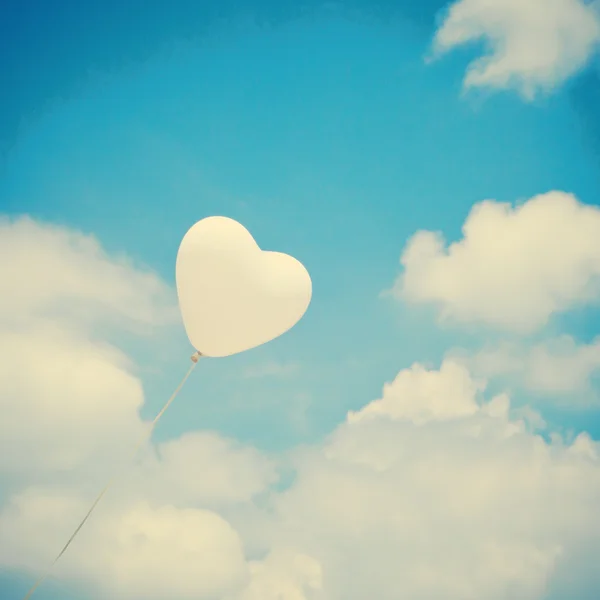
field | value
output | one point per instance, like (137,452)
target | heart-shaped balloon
(234,296)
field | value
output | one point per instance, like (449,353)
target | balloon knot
(196,357)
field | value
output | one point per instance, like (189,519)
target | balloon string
(142,441)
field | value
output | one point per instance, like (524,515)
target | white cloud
(52,271)
(466,503)
(421,395)
(203,469)
(463,504)
(135,552)
(558,366)
(70,416)
(284,575)
(531,45)
(514,267)
(66,403)
(69,400)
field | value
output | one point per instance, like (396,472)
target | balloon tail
(195,357)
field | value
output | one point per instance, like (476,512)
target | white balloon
(234,296)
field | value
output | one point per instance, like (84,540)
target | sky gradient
(364,140)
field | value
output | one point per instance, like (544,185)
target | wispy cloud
(532,45)
(557,367)
(271,369)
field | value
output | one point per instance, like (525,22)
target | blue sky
(328,135)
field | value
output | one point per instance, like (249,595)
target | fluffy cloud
(422,395)
(532,45)
(514,267)
(204,469)
(66,403)
(465,503)
(558,366)
(135,552)
(70,415)
(68,398)
(53,271)
(284,575)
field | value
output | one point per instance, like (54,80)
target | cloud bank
(435,489)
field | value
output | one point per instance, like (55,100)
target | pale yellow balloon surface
(234,296)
